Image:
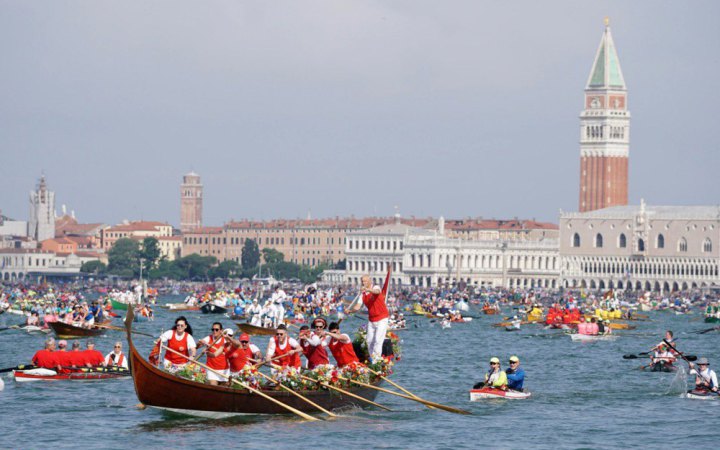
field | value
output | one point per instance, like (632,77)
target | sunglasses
(279,334)
(117,346)
(216,329)
(244,342)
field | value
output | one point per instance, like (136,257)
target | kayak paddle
(20,367)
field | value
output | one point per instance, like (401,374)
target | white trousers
(375,337)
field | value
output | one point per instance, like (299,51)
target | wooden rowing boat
(118,305)
(490,311)
(255,330)
(180,307)
(160,389)
(22,376)
(593,338)
(66,331)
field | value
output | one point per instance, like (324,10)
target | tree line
(129,258)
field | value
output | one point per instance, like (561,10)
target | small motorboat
(490,392)
(211,308)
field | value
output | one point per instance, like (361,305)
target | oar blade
(630,356)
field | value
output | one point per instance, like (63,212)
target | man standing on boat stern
(374,299)
(515,374)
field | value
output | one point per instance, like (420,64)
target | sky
(337,108)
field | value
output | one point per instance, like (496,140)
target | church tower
(42,213)
(604,132)
(190,202)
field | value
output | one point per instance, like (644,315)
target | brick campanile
(604,132)
(191,202)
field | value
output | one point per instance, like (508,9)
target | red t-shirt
(375,303)
(45,358)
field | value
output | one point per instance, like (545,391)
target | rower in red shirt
(341,346)
(45,358)
(93,358)
(239,352)
(215,353)
(285,347)
(313,344)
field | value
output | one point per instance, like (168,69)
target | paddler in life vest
(215,353)
(705,378)
(239,352)
(284,347)
(662,357)
(116,358)
(341,346)
(178,338)
(495,377)
(313,343)
(378,316)
(515,374)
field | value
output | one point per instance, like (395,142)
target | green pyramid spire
(606,72)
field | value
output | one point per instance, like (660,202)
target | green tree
(168,269)
(197,267)
(124,258)
(250,256)
(341,265)
(271,256)
(95,267)
(150,253)
(226,269)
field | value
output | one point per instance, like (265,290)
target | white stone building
(24,264)
(658,248)
(42,213)
(422,257)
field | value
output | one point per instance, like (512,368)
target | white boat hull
(592,338)
(486,393)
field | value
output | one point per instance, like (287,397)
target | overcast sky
(454,108)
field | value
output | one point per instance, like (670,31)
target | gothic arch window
(641,245)
(598,240)
(622,241)
(660,241)
(707,245)
(576,240)
(682,245)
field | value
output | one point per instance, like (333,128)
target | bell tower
(604,132)
(191,191)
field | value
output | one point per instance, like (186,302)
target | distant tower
(190,202)
(42,213)
(605,132)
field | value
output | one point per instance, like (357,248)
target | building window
(622,241)
(660,241)
(641,245)
(707,245)
(598,240)
(576,240)
(682,245)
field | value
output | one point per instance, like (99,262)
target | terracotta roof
(169,238)
(138,226)
(205,230)
(493,224)
(59,240)
(337,223)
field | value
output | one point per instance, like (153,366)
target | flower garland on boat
(360,343)
(249,376)
(192,372)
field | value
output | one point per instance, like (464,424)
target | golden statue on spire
(607,21)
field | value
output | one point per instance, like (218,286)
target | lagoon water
(584,396)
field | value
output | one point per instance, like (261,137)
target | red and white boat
(489,392)
(22,376)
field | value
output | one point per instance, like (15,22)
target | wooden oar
(246,386)
(342,391)
(19,367)
(260,363)
(282,386)
(396,385)
(112,327)
(705,331)
(419,400)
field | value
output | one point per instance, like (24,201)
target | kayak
(701,395)
(22,376)
(593,338)
(512,329)
(660,367)
(489,392)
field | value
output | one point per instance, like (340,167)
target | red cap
(245,337)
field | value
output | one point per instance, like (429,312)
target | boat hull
(701,395)
(209,308)
(486,393)
(118,305)
(66,331)
(592,338)
(710,319)
(23,376)
(254,330)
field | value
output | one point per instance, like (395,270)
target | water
(584,396)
